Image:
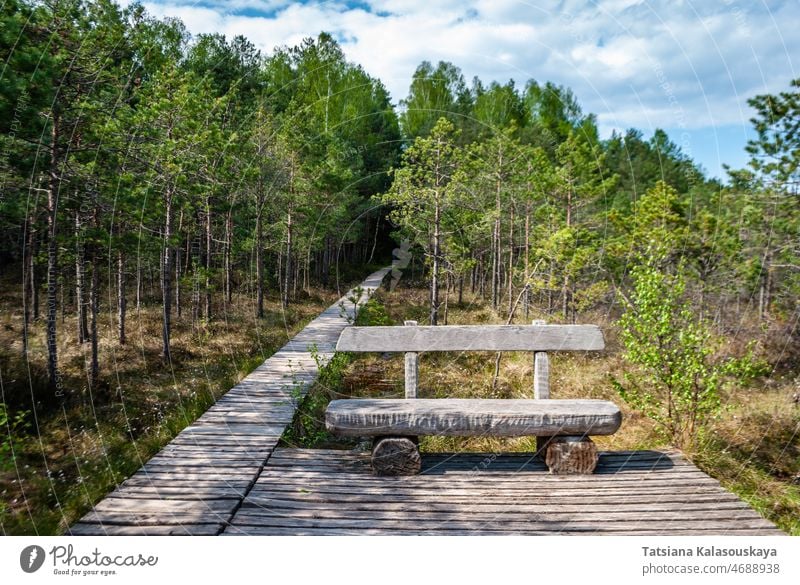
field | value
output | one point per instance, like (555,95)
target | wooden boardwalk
(317,492)
(223,475)
(198,481)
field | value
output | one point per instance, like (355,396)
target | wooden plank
(522,493)
(434,464)
(338,455)
(470,417)
(411,375)
(162,460)
(552,507)
(325,531)
(472,338)
(154,518)
(504,525)
(225,430)
(541,376)
(189,492)
(478,480)
(219,454)
(87,529)
(193,474)
(210,466)
(254,515)
(161,481)
(436,469)
(616,498)
(158,505)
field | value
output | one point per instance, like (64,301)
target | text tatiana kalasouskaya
(709,551)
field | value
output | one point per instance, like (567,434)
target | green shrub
(675,379)
(373,313)
(11,431)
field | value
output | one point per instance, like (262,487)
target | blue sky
(685,66)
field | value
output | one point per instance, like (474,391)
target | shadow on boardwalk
(316,492)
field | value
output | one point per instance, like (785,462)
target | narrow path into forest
(199,480)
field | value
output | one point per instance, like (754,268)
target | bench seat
(471,417)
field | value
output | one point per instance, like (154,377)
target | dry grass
(753,447)
(69,458)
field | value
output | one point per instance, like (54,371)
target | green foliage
(356,298)
(675,379)
(435,93)
(373,313)
(776,152)
(12,429)
(308,425)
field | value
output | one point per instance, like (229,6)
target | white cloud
(650,63)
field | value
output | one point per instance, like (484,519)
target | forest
(161,189)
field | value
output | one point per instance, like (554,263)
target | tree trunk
(209,244)
(53,189)
(94,293)
(288,268)
(527,297)
(227,260)
(166,278)
(259,267)
(197,261)
(571,455)
(435,270)
(178,296)
(395,456)
(375,239)
(446,298)
(565,289)
(473,276)
(121,302)
(496,260)
(138,285)
(27,284)
(295,278)
(178,272)
(80,279)
(326,261)
(511,263)
(34,276)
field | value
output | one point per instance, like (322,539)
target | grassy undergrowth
(752,447)
(57,462)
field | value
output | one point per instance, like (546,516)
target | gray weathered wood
(470,417)
(88,529)
(396,456)
(262,530)
(541,372)
(411,368)
(472,337)
(200,478)
(570,455)
(329,492)
(541,387)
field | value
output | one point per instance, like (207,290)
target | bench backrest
(472,338)
(411,339)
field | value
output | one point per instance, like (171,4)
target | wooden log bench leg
(571,455)
(396,456)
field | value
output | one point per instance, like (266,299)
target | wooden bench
(562,427)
